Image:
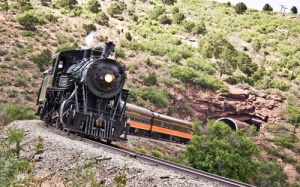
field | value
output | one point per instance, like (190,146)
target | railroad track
(222,181)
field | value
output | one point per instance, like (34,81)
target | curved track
(222,181)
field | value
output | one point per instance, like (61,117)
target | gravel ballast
(62,155)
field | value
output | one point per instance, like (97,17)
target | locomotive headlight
(109,78)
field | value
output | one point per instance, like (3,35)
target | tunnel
(233,124)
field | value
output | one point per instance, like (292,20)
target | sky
(275,4)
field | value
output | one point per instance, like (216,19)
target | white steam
(89,38)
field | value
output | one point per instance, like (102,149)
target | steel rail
(159,162)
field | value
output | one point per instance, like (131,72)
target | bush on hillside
(154,96)
(89,28)
(168,2)
(10,112)
(45,2)
(116,8)
(28,21)
(199,28)
(175,10)
(164,19)
(270,174)
(101,18)
(267,7)
(42,59)
(150,80)
(189,26)
(93,6)
(221,151)
(240,8)
(128,36)
(156,12)
(68,4)
(178,18)
(4,5)
(294,10)
(14,170)
(245,64)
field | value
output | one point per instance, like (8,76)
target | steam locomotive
(83,92)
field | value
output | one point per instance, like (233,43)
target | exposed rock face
(252,107)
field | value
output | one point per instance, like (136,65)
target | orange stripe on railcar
(171,132)
(139,125)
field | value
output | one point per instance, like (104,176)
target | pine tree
(294,10)
(267,8)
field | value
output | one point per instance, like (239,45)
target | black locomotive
(83,92)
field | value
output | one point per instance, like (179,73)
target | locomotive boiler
(83,92)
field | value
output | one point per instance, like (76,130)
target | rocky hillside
(191,59)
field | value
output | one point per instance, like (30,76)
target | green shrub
(298,168)
(128,36)
(239,79)
(270,174)
(175,10)
(164,19)
(240,8)
(39,148)
(156,12)
(116,8)
(294,10)
(189,26)
(267,7)
(14,170)
(200,64)
(256,45)
(42,59)
(68,4)
(156,97)
(275,152)
(140,150)
(89,27)
(148,61)
(279,84)
(28,21)
(4,5)
(245,64)
(189,111)
(178,18)
(21,81)
(284,142)
(150,80)
(199,28)
(183,74)
(93,6)
(3,52)
(174,57)
(120,180)
(120,52)
(12,112)
(51,18)
(66,47)
(157,154)
(101,18)
(134,18)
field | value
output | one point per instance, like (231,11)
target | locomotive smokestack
(107,49)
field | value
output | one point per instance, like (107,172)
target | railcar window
(171,126)
(167,126)
(188,131)
(162,124)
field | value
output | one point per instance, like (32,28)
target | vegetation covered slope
(170,48)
